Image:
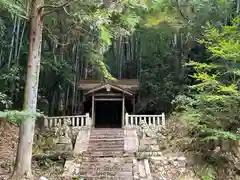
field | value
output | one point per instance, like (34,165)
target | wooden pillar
(83,110)
(83,99)
(138,98)
(93,110)
(123,110)
(134,103)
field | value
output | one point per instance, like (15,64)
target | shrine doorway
(108,114)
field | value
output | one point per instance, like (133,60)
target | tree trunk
(24,154)
(12,43)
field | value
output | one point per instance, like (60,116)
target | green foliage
(77,178)
(105,35)
(130,20)
(182,102)
(15,7)
(224,43)
(159,75)
(15,117)
(212,107)
(208,174)
(4,101)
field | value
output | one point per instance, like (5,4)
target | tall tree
(24,153)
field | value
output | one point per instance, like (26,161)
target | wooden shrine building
(108,101)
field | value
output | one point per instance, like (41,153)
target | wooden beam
(108,99)
(108,94)
(109,86)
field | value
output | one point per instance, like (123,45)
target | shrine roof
(128,85)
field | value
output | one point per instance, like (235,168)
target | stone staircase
(106,142)
(104,158)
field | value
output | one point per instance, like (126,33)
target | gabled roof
(127,84)
(108,87)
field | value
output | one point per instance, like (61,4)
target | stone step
(106,144)
(104,154)
(106,130)
(106,148)
(97,132)
(107,165)
(108,178)
(100,136)
(110,141)
(93,140)
(103,149)
(107,139)
(107,134)
(97,163)
(126,161)
(99,170)
(92,168)
(106,173)
(92,177)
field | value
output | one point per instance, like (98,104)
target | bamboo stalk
(12,42)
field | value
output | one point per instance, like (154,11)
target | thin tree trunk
(238,7)
(1,55)
(21,41)
(24,154)
(66,102)
(17,43)
(74,79)
(18,53)
(12,42)
(120,57)
(15,57)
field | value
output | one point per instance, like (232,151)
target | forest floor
(8,149)
(53,169)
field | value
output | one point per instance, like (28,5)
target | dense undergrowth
(204,158)
(209,110)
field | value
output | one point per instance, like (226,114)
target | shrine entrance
(108,114)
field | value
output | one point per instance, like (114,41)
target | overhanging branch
(54,8)
(180,11)
(58,7)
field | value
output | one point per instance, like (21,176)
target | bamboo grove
(185,54)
